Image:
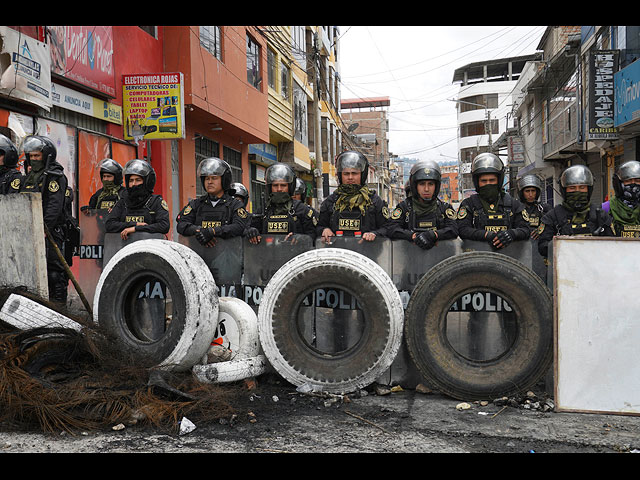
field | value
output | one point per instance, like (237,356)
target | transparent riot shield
(481,325)
(91,251)
(411,262)
(224,259)
(148,305)
(261,261)
(379,250)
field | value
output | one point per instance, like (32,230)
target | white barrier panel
(596,324)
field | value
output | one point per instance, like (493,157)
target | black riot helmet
(576,175)
(301,189)
(283,172)
(108,165)
(626,171)
(214,166)
(352,159)
(424,170)
(143,169)
(487,163)
(239,190)
(529,181)
(39,143)
(9,150)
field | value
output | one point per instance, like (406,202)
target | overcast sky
(414,66)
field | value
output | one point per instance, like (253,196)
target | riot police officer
(216,213)
(10,176)
(529,189)
(423,218)
(300,193)
(624,207)
(491,214)
(239,191)
(283,214)
(111,178)
(576,215)
(46,175)
(353,208)
(139,209)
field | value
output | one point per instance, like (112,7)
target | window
(234,159)
(271,68)
(210,40)
(477,128)
(284,81)
(253,62)
(477,102)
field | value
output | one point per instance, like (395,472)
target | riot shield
(224,259)
(91,251)
(378,250)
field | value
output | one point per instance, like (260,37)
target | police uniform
(624,207)
(559,221)
(10,181)
(106,202)
(533,213)
(154,211)
(52,184)
(405,222)
(227,217)
(299,219)
(351,221)
(503,216)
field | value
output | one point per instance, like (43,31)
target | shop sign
(627,97)
(84,54)
(27,73)
(153,106)
(602,66)
(69,99)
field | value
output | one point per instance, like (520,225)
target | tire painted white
(241,328)
(201,315)
(376,277)
(24,313)
(231,371)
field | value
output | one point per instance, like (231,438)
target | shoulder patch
(186,210)
(450,213)
(242,213)
(164,205)
(53,186)
(462,213)
(541,229)
(15,184)
(397,213)
(385,212)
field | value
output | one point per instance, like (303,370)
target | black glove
(205,235)
(505,237)
(426,239)
(251,232)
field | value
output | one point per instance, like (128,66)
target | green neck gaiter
(623,213)
(423,207)
(280,203)
(36,172)
(352,196)
(489,195)
(578,204)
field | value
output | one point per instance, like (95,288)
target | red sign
(84,54)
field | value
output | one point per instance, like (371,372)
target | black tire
(382,317)
(517,369)
(194,314)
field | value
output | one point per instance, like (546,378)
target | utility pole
(316,123)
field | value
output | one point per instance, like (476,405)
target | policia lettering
(216,213)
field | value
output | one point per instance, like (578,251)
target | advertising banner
(153,106)
(84,54)
(25,68)
(602,66)
(69,99)
(627,100)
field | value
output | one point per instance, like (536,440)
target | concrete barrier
(22,243)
